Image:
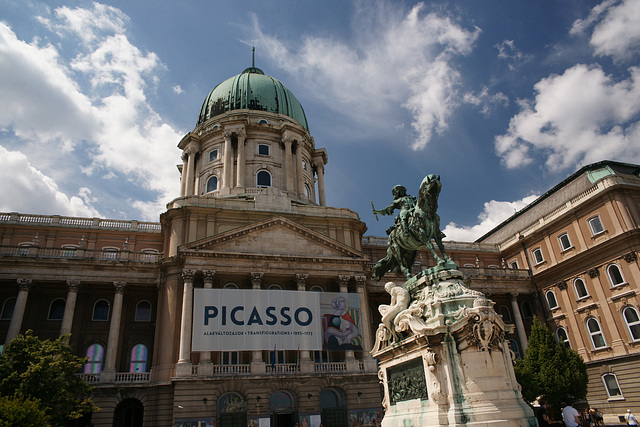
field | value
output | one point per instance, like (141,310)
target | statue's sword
(373,207)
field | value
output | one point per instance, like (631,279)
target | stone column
(258,366)
(288,163)
(228,163)
(306,364)
(241,160)
(191,153)
(183,368)
(352,363)
(183,176)
(365,324)
(70,306)
(108,374)
(322,199)
(205,366)
(299,170)
(517,317)
(18,309)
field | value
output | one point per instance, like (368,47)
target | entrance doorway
(283,420)
(128,413)
(282,406)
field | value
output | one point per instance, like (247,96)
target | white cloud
(493,214)
(177,89)
(484,100)
(507,51)
(617,28)
(582,115)
(416,74)
(94,106)
(28,190)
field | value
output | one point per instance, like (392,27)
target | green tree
(25,413)
(46,370)
(550,369)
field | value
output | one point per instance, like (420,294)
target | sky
(503,100)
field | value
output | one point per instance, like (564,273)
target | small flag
(298,360)
(273,358)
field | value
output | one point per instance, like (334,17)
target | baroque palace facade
(251,220)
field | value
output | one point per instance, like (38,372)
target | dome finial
(253,57)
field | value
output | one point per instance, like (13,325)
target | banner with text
(239,319)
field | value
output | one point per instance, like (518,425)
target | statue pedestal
(450,365)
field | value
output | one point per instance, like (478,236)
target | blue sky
(501,99)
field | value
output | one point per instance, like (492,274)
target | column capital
(344,282)
(361,282)
(120,286)
(73,285)
(256,279)
(188,275)
(24,284)
(208,275)
(513,296)
(301,280)
(241,133)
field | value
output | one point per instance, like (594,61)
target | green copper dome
(252,90)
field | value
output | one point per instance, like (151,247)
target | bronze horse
(423,225)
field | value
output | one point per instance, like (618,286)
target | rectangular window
(537,256)
(514,265)
(213,155)
(230,357)
(565,243)
(596,225)
(263,149)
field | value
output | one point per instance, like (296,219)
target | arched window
(537,256)
(274,287)
(632,320)
(307,191)
(565,243)
(129,412)
(230,285)
(316,288)
(95,355)
(563,337)
(263,179)
(143,311)
(611,385)
(615,275)
(513,345)
(263,122)
(526,310)
(551,300)
(212,184)
(7,308)
(101,310)
(506,313)
(333,407)
(138,358)
(581,288)
(597,339)
(596,225)
(232,410)
(56,309)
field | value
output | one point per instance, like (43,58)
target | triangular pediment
(276,236)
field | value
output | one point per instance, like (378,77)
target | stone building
(580,242)
(251,218)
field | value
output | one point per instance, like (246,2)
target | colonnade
(205,367)
(109,367)
(294,182)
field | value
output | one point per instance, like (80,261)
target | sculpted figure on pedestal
(400,300)
(415,227)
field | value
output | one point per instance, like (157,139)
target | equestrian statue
(414,228)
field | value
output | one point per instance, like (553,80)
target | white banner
(248,319)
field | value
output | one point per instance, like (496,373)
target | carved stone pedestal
(448,363)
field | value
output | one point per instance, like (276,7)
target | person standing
(571,416)
(630,418)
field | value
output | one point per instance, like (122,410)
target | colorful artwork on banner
(248,319)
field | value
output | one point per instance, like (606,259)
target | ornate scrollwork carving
(593,272)
(630,257)
(562,285)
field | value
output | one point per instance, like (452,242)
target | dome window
(264,150)
(212,184)
(263,122)
(213,155)
(263,179)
